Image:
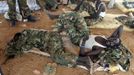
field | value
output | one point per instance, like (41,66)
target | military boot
(31,18)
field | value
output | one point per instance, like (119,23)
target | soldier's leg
(12,10)
(25,11)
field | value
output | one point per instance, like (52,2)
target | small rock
(36,72)
(24,25)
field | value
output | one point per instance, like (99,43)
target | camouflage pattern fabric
(119,56)
(47,41)
(24,9)
(89,7)
(126,21)
(74,25)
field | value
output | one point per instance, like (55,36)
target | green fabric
(25,11)
(89,7)
(126,21)
(74,25)
(119,56)
(50,42)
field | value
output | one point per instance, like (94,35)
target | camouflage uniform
(23,7)
(120,55)
(126,21)
(90,7)
(74,25)
(50,42)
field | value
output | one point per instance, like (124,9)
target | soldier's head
(114,40)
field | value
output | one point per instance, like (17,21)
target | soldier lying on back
(93,45)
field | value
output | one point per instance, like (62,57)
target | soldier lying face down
(24,12)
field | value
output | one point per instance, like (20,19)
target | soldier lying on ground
(95,8)
(23,9)
(103,51)
(71,24)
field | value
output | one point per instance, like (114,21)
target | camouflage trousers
(126,21)
(90,8)
(120,55)
(23,8)
(47,41)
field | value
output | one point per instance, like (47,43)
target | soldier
(127,20)
(95,8)
(23,9)
(105,51)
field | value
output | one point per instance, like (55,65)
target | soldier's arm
(95,51)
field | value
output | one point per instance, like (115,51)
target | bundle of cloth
(127,20)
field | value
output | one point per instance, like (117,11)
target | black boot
(31,18)
(13,23)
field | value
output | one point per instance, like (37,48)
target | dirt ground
(27,63)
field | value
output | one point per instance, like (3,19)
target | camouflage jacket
(120,55)
(74,25)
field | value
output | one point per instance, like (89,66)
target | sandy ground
(27,63)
